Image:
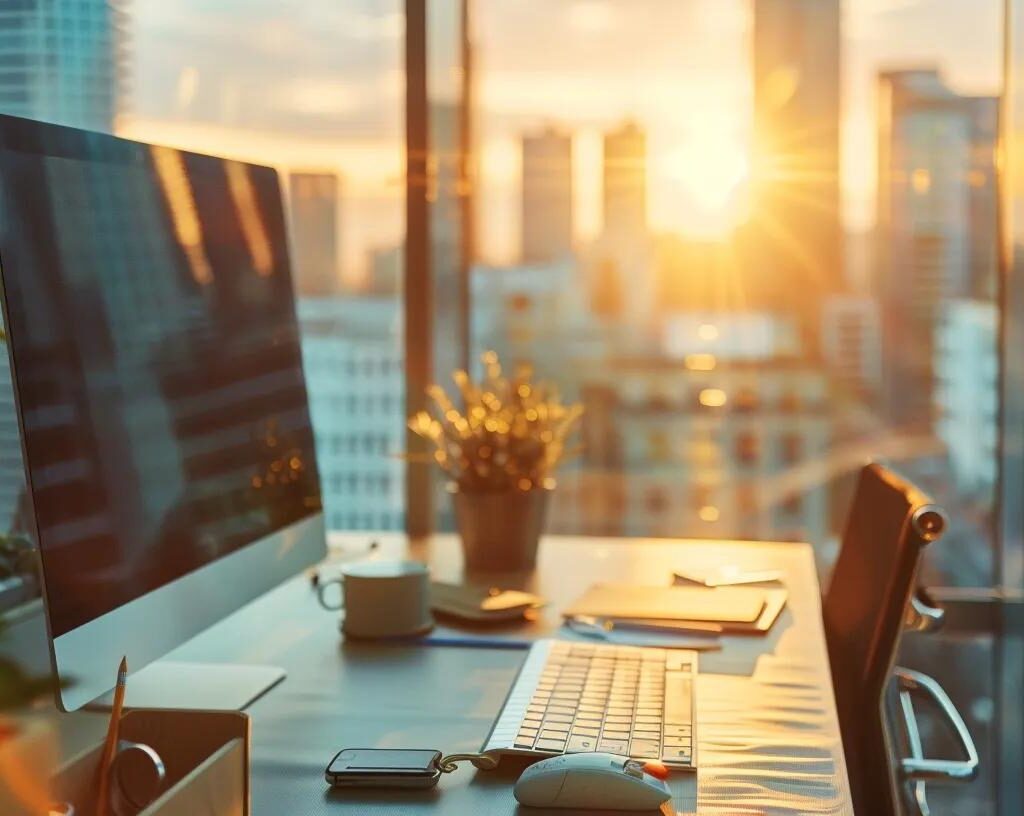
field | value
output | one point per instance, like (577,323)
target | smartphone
(383,768)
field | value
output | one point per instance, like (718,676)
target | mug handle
(340,581)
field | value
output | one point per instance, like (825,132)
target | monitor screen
(156,361)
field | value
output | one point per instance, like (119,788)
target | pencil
(110,745)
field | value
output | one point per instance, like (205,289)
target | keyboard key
(645,749)
(678,730)
(581,744)
(678,705)
(612,746)
(554,733)
(677,742)
(558,718)
(676,755)
(677,662)
(523,743)
(614,734)
(560,709)
(578,731)
(618,718)
(646,735)
(550,745)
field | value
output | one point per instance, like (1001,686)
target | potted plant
(500,452)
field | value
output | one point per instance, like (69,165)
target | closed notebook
(728,605)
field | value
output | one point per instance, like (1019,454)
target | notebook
(725,605)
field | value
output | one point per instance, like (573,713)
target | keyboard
(571,697)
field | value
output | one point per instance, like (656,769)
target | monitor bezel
(85,659)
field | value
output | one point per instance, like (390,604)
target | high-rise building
(966,394)
(547,196)
(624,193)
(63,61)
(983,112)
(674,451)
(621,265)
(355,380)
(313,215)
(851,343)
(934,220)
(792,244)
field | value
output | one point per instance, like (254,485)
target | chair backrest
(889,524)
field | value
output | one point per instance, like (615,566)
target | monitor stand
(202,686)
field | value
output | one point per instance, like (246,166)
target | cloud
(312,70)
(323,96)
(590,16)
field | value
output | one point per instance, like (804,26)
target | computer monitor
(158,377)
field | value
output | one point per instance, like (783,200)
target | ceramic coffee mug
(383,599)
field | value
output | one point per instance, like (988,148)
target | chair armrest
(917,767)
(923,614)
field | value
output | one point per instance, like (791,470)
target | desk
(769,737)
(769,742)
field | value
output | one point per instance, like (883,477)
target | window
(804,275)
(809,266)
(791,448)
(748,447)
(318,94)
(656,500)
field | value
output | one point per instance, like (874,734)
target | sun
(711,171)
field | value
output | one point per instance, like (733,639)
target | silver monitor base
(203,686)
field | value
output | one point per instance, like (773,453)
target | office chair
(870,600)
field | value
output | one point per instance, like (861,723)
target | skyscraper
(967,393)
(983,112)
(851,343)
(625,184)
(547,196)
(932,226)
(794,239)
(63,61)
(313,212)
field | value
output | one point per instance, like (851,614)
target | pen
(479,643)
(110,745)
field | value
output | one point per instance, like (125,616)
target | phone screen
(384,761)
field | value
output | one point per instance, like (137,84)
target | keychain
(398,767)
(482,762)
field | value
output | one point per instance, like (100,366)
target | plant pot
(500,531)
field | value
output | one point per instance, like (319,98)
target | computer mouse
(591,782)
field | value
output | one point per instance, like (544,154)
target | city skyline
(348,116)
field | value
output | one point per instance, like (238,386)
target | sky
(319,84)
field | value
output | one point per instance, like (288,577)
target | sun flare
(711,172)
